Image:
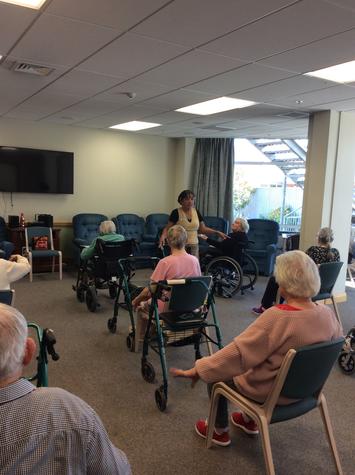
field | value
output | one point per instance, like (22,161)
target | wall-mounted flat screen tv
(27,170)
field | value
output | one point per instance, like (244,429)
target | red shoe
(250,427)
(218,439)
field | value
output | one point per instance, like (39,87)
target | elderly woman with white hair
(108,233)
(177,265)
(234,244)
(250,362)
(320,254)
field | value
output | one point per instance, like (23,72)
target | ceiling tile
(120,15)
(130,55)
(13,22)
(189,68)
(61,34)
(281,31)
(246,77)
(320,54)
(195,22)
(331,94)
(82,83)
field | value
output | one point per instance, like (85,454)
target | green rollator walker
(185,322)
(45,343)
(125,272)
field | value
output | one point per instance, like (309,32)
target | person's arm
(89,251)
(246,351)
(144,295)
(16,267)
(203,229)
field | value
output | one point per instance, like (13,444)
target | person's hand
(135,303)
(203,236)
(223,235)
(161,242)
(186,373)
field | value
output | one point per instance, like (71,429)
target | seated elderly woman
(108,233)
(321,253)
(13,269)
(178,264)
(250,362)
(234,244)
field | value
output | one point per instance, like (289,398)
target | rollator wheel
(80,293)
(160,399)
(346,363)
(91,299)
(148,372)
(130,341)
(112,290)
(111,325)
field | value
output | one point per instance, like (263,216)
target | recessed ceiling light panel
(342,73)
(214,106)
(36,4)
(134,125)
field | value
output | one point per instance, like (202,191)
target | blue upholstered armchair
(85,229)
(214,222)
(154,224)
(132,227)
(264,233)
(6,247)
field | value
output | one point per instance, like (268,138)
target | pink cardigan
(253,358)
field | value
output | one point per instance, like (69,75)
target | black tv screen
(27,170)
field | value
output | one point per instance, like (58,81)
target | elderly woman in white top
(13,269)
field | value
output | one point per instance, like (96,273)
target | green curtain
(212,177)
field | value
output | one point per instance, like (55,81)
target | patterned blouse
(320,255)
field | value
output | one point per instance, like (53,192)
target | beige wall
(114,172)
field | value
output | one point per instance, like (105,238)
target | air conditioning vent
(35,69)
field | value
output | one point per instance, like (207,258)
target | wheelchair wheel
(160,399)
(112,325)
(227,276)
(91,299)
(250,272)
(80,293)
(148,372)
(346,362)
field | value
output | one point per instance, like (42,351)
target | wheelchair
(45,343)
(101,271)
(126,268)
(346,359)
(185,322)
(230,276)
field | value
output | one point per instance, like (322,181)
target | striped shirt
(46,431)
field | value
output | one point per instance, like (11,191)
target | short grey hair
(244,224)
(177,237)
(13,335)
(297,274)
(107,227)
(325,236)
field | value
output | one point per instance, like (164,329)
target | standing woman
(191,220)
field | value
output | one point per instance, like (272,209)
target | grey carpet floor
(96,366)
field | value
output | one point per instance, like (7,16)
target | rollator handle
(50,341)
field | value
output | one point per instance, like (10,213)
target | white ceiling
(176,53)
